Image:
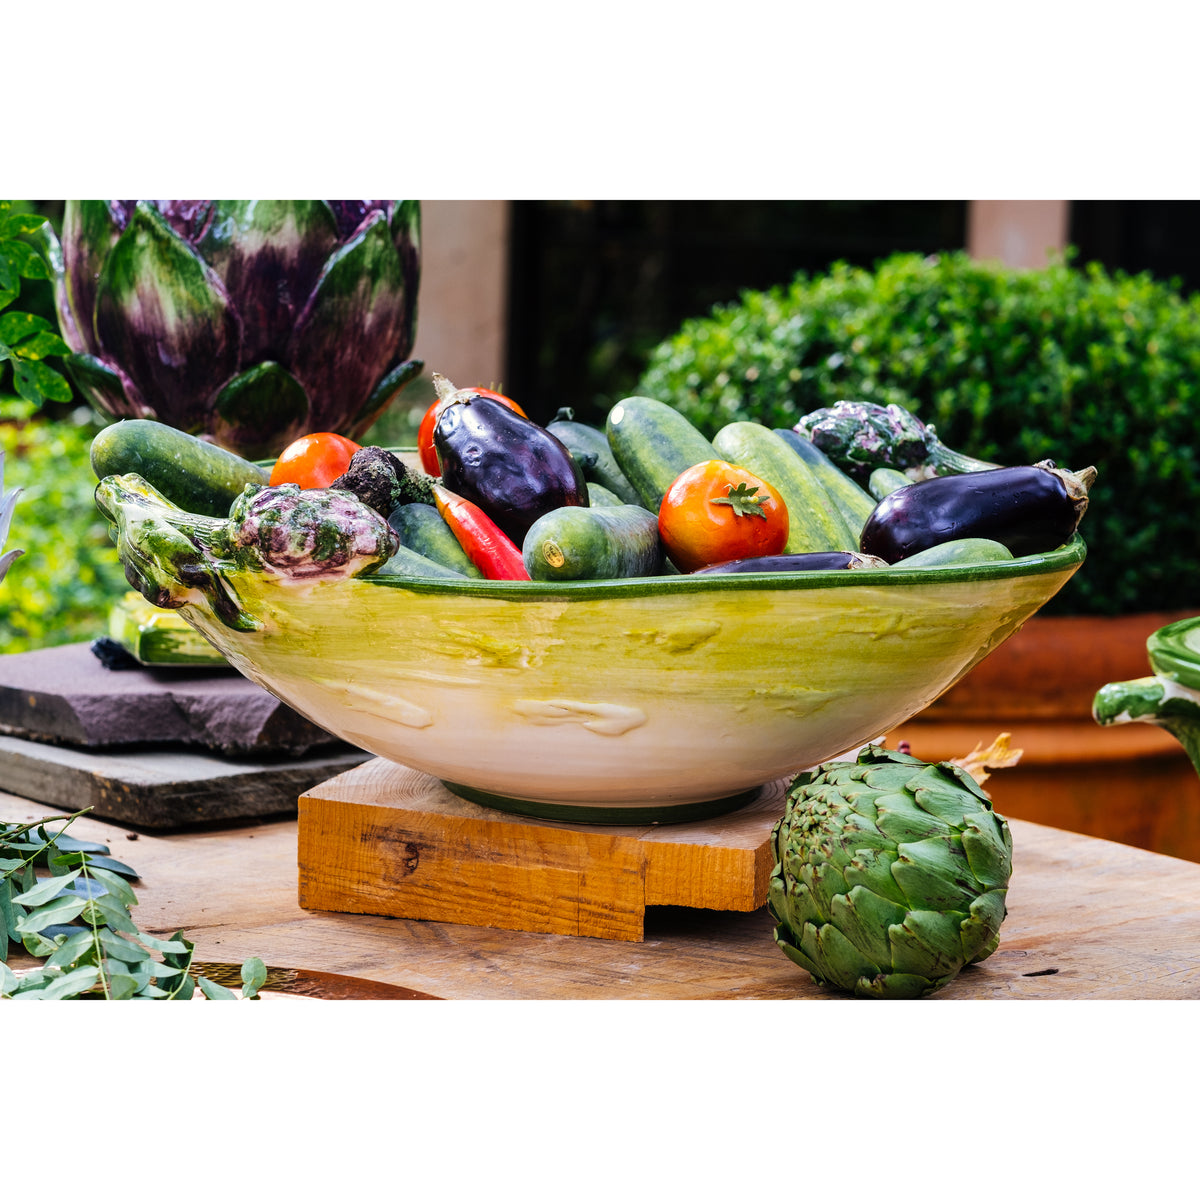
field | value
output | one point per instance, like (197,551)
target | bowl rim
(1170,655)
(1067,557)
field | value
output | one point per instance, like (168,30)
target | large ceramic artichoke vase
(250,322)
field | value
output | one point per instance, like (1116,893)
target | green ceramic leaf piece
(380,400)
(352,326)
(162,313)
(258,409)
(270,254)
(89,232)
(106,388)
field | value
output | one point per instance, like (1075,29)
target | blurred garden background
(1076,334)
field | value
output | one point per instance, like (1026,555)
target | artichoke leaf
(837,958)
(106,387)
(163,314)
(90,229)
(902,819)
(939,790)
(351,329)
(935,874)
(406,235)
(872,869)
(896,986)
(989,851)
(980,932)
(866,919)
(258,410)
(270,254)
(929,943)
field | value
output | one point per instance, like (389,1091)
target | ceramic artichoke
(250,322)
(890,874)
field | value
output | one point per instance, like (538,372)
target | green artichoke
(890,874)
(8,501)
(250,322)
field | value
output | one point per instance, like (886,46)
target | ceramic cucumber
(421,528)
(854,503)
(197,476)
(653,445)
(590,447)
(959,551)
(814,521)
(594,543)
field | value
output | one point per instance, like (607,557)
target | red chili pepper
(486,545)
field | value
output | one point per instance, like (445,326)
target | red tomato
(425,447)
(715,512)
(314,461)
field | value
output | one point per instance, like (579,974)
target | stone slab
(163,789)
(64,695)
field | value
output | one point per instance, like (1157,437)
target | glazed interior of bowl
(626,700)
(1174,651)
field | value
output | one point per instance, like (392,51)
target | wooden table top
(1088,919)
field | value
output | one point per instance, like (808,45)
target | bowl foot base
(648,814)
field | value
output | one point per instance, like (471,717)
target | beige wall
(463,305)
(1018,233)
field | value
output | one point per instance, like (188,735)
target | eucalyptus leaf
(73,949)
(58,912)
(116,946)
(44,891)
(122,986)
(8,981)
(115,885)
(254,975)
(215,991)
(167,947)
(70,984)
(112,913)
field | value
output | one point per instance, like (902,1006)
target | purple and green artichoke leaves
(890,874)
(250,322)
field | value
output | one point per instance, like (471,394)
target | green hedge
(61,588)
(1077,365)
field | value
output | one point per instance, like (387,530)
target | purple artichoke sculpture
(248,322)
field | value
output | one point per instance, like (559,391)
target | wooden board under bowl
(392,841)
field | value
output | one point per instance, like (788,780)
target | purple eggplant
(1031,510)
(813,560)
(510,466)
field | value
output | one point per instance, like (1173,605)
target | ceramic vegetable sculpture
(8,501)
(890,874)
(249,321)
(1170,698)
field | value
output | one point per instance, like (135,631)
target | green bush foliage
(61,588)
(1077,365)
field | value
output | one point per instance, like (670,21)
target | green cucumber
(855,503)
(961,551)
(593,543)
(590,448)
(814,521)
(411,565)
(423,529)
(600,497)
(654,444)
(886,480)
(197,476)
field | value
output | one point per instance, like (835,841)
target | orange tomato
(425,447)
(314,461)
(716,512)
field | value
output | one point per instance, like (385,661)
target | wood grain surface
(392,841)
(1088,919)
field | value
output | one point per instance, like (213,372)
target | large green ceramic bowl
(626,700)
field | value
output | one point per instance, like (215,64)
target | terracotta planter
(1132,783)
